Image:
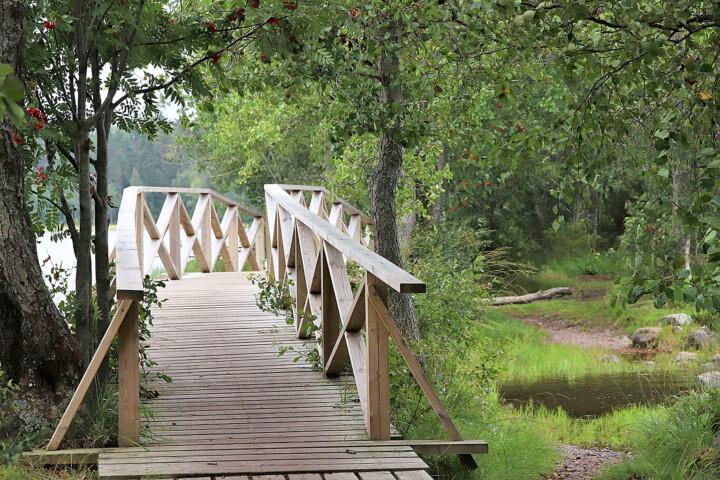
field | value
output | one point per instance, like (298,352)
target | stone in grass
(645,337)
(677,319)
(710,379)
(610,358)
(702,338)
(686,357)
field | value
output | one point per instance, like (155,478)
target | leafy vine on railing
(275,297)
(150,300)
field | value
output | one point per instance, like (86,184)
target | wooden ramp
(235,407)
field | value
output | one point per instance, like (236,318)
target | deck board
(237,409)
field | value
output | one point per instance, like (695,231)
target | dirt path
(583,463)
(560,331)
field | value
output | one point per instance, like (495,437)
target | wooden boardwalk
(235,407)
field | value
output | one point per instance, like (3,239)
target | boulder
(710,379)
(686,357)
(610,358)
(702,338)
(677,319)
(645,337)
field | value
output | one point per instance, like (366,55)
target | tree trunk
(437,210)
(83,273)
(384,182)
(679,178)
(36,347)
(102,265)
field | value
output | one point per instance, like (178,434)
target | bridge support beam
(129,379)
(377,416)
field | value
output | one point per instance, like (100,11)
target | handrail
(386,271)
(206,235)
(366,220)
(309,250)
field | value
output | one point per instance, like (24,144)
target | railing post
(206,232)
(377,416)
(175,241)
(330,312)
(129,378)
(260,251)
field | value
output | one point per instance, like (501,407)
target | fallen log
(533,297)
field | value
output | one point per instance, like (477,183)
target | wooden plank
(175,242)
(376,476)
(386,271)
(341,476)
(377,415)
(123,308)
(413,475)
(128,266)
(80,456)
(304,476)
(129,379)
(330,314)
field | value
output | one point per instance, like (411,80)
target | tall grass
(527,354)
(675,443)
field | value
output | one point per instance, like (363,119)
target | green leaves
(11,92)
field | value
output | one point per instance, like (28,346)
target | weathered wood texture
(235,407)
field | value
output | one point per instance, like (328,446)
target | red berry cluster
(238,14)
(212,28)
(37,115)
(290,5)
(215,57)
(17,138)
(40,176)
(273,21)
(254,3)
(49,25)
(354,12)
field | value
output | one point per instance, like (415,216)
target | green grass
(526,353)
(22,472)
(674,444)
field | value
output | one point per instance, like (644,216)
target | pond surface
(595,395)
(61,253)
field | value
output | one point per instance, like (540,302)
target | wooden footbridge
(235,407)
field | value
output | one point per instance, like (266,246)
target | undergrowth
(675,444)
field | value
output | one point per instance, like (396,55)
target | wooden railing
(139,240)
(311,249)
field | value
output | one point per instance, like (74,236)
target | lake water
(594,395)
(61,253)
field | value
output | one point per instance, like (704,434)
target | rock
(702,338)
(709,366)
(715,359)
(677,319)
(610,358)
(716,442)
(645,337)
(686,357)
(710,379)
(649,363)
